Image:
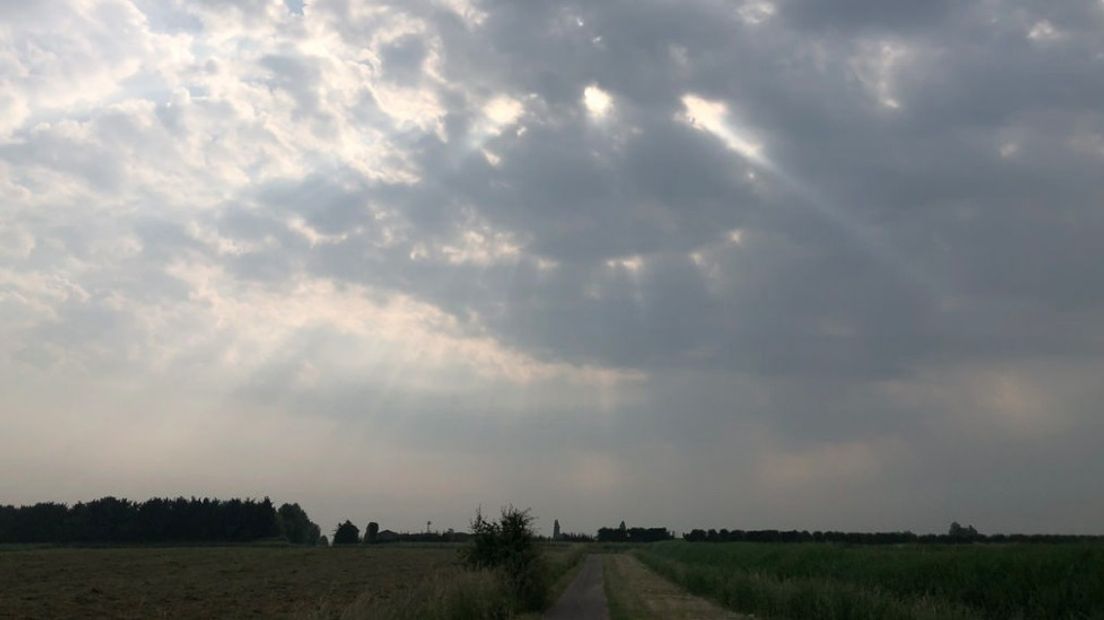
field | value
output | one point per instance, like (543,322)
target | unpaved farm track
(585,598)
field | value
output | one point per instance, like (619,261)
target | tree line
(348,533)
(633,534)
(956,534)
(157,520)
(575,537)
(111,520)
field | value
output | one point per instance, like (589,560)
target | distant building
(387,536)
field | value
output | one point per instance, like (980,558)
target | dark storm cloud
(850,15)
(403,58)
(884,237)
(585,194)
(975,256)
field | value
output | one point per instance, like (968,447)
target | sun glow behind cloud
(713,117)
(597,101)
(502,111)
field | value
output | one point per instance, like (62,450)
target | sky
(694,263)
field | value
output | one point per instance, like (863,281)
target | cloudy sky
(721,263)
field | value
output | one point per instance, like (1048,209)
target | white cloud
(499,114)
(467,10)
(632,264)
(15,242)
(481,246)
(503,110)
(1043,31)
(755,12)
(63,58)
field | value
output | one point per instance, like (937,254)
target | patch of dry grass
(635,592)
(315,583)
(446,594)
(207,582)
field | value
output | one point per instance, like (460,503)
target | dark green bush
(508,547)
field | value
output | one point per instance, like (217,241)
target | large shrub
(508,547)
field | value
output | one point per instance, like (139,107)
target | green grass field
(938,582)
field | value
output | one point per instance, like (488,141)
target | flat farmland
(930,582)
(208,582)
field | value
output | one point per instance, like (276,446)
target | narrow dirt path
(585,598)
(637,592)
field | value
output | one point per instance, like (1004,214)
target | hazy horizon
(745,264)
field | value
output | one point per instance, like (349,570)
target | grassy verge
(635,592)
(909,582)
(563,564)
(452,594)
(619,595)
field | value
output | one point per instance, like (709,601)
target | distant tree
(958,533)
(346,534)
(371,533)
(297,526)
(556,529)
(314,534)
(323,541)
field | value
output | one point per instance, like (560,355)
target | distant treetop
(346,534)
